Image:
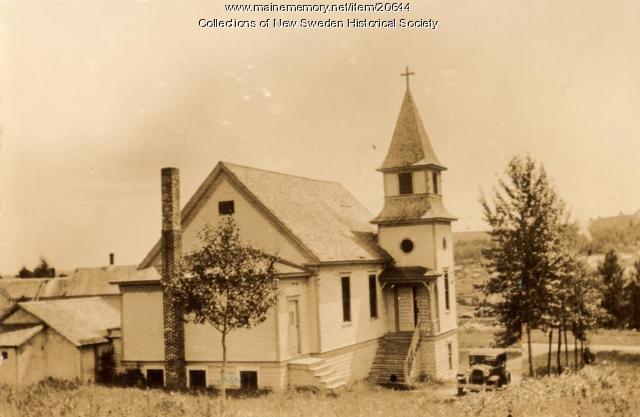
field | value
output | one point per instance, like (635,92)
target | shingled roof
(82,321)
(412,208)
(321,216)
(410,145)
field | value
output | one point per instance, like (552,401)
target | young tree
(613,302)
(226,283)
(527,255)
(632,291)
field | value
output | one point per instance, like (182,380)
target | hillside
(621,232)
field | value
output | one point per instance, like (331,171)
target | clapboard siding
(203,342)
(434,356)
(256,228)
(294,289)
(142,324)
(354,362)
(445,262)
(443,371)
(424,252)
(334,333)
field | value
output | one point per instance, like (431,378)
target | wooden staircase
(314,372)
(388,364)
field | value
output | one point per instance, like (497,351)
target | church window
(405,181)
(434,176)
(447,303)
(226,207)
(444,243)
(373,297)
(346,299)
(406,245)
(155,378)
(249,380)
(450,354)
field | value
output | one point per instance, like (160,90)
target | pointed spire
(410,145)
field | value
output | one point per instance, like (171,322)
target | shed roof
(82,321)
(18,336)
(394,274)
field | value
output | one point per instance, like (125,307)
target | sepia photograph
(319,208)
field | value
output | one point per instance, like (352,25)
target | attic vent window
(406,246)
(226,207)
(405,181)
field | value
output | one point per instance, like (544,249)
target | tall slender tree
(632,291)
(527,255)
(613,297)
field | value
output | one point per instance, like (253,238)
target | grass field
(609,388)
(596,337)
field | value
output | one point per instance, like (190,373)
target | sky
(97,96)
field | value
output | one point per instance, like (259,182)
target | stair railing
(413,350)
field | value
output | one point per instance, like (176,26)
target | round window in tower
(406,245)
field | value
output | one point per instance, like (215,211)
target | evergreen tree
(527,256)
(612,278)
(632,291)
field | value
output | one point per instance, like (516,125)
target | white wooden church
(361,296)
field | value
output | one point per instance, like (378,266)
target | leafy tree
(632,291)
(43,270)
(612,278)
(226,283)
(527,255)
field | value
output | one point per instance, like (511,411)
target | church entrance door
(294,328)
(406,308)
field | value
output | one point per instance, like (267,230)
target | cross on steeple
(407,74)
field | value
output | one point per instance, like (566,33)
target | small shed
(60,339)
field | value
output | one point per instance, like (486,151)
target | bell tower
(414,226)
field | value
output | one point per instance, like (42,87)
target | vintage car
(487,371)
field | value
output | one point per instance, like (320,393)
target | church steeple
(412,171)
(410,145)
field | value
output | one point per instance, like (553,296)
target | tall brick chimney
(171,256)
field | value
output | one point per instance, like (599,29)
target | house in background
(59,339)
(82,282)
(353,303)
